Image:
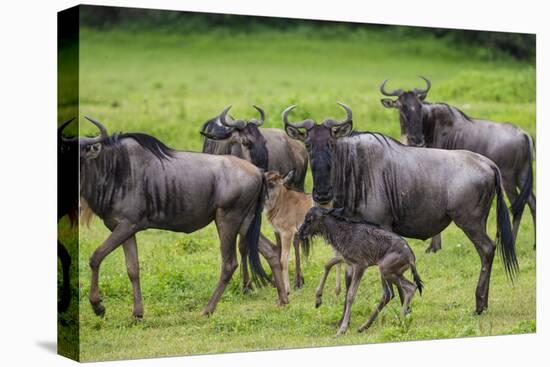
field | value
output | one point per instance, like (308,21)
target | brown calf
(286,209)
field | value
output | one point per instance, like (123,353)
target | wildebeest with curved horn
(67,204)
(414,192)
(266,148)
(134,182)
(439,125)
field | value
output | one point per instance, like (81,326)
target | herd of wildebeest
(369,190)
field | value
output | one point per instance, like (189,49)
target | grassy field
(168,84)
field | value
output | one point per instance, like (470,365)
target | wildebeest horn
(395,93)
(102,133)
(102,129)
(349,118)
(423,91)
(237,124)
(306,124)
(62,127)
(262,117)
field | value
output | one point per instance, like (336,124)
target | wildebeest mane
(382,139)
(451,109)
(148,142)
(349,220)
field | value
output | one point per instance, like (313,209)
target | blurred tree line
(518,45)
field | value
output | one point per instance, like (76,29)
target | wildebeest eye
(247,143)
(307,143)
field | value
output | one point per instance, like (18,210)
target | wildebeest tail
(519,204)
(417,279)
(505,238)
(252,239)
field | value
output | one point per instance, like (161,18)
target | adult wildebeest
(362,244)
(440,125)
(415,192)
(285,209)
(67,204)
(268,149)
(134,182)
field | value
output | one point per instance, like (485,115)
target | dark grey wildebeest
(134,182)
(268,149)
(361,244)
(439,125)
(67,205)
(415,192)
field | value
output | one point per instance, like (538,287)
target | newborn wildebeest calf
(362,244)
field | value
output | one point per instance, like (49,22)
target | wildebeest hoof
(337,291)
(340,332)
(318,302)
(283,301)
(247,288)
(99,309)
(479,311)
(299,283)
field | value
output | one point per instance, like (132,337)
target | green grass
(169,84)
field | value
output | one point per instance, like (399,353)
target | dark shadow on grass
(48,345)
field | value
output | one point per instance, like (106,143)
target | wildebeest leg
(270,253)
(409,288)
(65,296)
(435,244)
(531,201)
(243,250)
(286,243)
(278,242)
(338,277)
(387,296)
(401,293)
(512,194)
(485,247)
(228,228)
(319,293)
(132,265)
(120,233)
(299,281)
(347,278)
(357,274)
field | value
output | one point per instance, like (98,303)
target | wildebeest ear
(387,102)
(295,133)
(342,130)
(289,176)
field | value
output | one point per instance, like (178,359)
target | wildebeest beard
(259,155)
(350,173)
(349,187)
(109,175)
